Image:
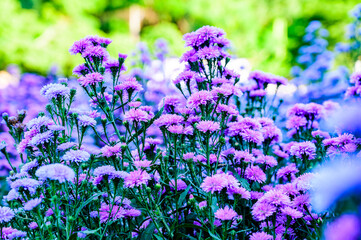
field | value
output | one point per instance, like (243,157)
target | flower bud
(126,123)
(72,92)
(21,115)
(222,140)
(5,116)
(148,189)
(48,108)
(157,186)
(124,147)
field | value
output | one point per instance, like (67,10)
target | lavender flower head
(86,121)
(41,138)
(55,90)
(226,213)
(76,156)
(31,204)
(6,214)
(304,150)
(26,183)
(208,126)
(90,79)
(56,172)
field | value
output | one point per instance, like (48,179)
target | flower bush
(209,163)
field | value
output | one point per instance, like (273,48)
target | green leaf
(187,236)
(74,236)
(243,181)
(191,226)
(183,195)
(213,236)
(86,203)
(91,231)
(158,237)
(148,232)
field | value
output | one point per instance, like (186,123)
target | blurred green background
(36,34)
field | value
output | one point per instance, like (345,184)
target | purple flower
(181,185)
(260,236)
(41,138)
(90,79)
(311,111)
(276,198)
(29,166)
(267,160)
(11,233)
(199,98)
(168,119)
(252,136)
(202,35)
(38,122)
(104,171)
(49,212)
(293,213)
(55,90)
(356,78)
(185,76)
(142,163)
(31,204)
(272,134)
(225,214)
(65,146)
(228,109)
(81,70)
(55,128)
(243,156)
(76,156)
(79,46)
(304,150)
(208,53)
(261,78)
(170,103)
(136,178)
(208,126)
(6,214)
(12,195)
(287,172)
(257,93)
(86,121)
(112,66)
(261,210)
(137,115)
(82,234)
(96,40)
(95,52)
(255,173)
(131,85)
(55,171)
(110,213)
(33,225)
(214,183)
(26,183)
(109,151)
(132,212)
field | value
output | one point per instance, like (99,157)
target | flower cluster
(202,165)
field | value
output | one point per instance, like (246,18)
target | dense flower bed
(207,161)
